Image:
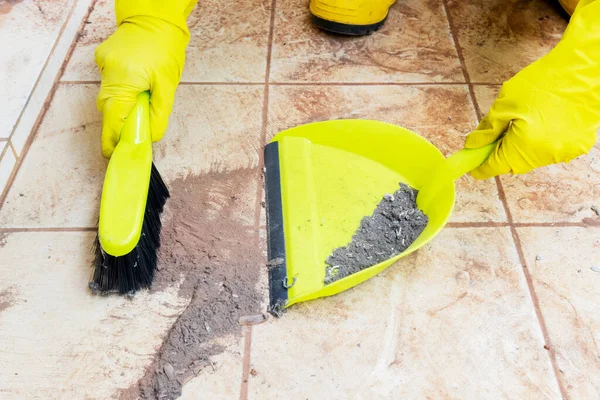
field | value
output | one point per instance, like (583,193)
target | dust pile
(204,241)
(392,228)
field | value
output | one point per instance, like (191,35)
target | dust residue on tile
(219,259)
(560,192)
(70,133)
(443,114)
(414,45)
(29,32)
(7,296)
(561,262)
(498,37)
(100,24)
(228,44)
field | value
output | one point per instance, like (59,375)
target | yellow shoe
(350,17)
(569,5)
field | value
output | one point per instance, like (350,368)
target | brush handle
(136,129)
(125,190)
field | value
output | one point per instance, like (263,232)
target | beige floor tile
(227,44)
(99,25)
(442,114)
(37,100)
(57,340)
(28,31)
(60,179)
(7,164)
(561,192)
(455,320)
(560,261)
(498,38)
(485,96)
(414,45)
(557,193)
(229,41)
(222,379)
(212,129)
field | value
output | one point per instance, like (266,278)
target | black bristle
(134,271)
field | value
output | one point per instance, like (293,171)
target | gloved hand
(549,112)
(147,52)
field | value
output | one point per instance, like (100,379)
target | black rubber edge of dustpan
(347,29)
(278,293)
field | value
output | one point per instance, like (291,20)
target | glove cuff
(172,11)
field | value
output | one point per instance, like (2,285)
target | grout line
(4,191)
(582,224)
(486,83)
(39,77)
(492,224)
(489,224)
(474,101)
(538,312)
(222,83)
(292,83)
(49,229)
(366,83)
(461,57)
(79,82)
(265,118)
(13,150)
(2,153)
(246,362)
(502,195)
(259,190)
(260,176)
(478,113)
(45,107)
(97,82)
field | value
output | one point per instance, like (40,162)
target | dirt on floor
(219,258)
(7,298)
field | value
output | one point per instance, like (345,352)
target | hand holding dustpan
(323,178)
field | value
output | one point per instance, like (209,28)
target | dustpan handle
(466,160)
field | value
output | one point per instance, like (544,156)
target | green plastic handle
(466,160)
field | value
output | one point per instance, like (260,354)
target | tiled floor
(502,304)
(29,31)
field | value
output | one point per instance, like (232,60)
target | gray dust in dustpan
(394,225)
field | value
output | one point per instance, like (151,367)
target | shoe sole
(347,29)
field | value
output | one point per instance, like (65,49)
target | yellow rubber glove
(147,52)
(550,111)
